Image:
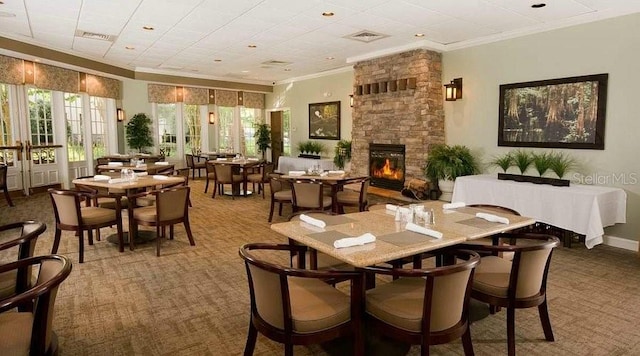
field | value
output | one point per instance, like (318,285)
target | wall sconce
(212,118)
(453,90)
(351,100)
(120,115)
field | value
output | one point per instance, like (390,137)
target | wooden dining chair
(225,175)
(281,193)
(71,216)
(3,183)
(295,306)
(261,177)
(171,208)
(308,195)
(520,283)
(424,306)
(29,331)
(194,165)
(211,177)
(24,235)
(352,198)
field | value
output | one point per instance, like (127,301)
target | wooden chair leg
(252,336)
(81,245)
(98,234)
(187,227)
(7,196)
(271,210)
(288,349)
(466,342)
(90,234)
(158,241)
(511,331)
(206,186)
(170,232)
(546,322)
(56,241)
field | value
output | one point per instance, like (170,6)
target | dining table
(150,168)
(118,187)
(239,166)
(392,239)
(335,179)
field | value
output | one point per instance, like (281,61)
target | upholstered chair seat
(316,306)
(281,193)
(147,214)
(492,276)
(15,329)
(93,215)
(350,197)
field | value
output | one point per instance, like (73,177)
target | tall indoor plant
(445,163)
(263,138)
(139,132)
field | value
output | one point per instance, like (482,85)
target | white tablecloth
(286,164)
(584,209)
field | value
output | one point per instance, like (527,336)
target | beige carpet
(194,300)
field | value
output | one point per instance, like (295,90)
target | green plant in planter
(317,147)
(542,162)
(449,162)
(504,162)
(263,138)
(342,153)
(561,163)
(522,159)
(139,132)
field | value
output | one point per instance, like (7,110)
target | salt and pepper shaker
(432,217)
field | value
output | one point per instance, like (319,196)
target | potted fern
(446,163)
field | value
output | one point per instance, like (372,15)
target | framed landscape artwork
(324,121)
(555,113)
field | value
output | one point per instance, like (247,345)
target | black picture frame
(324,121)
(554,113)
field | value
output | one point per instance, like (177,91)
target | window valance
(163,94)
(11,70)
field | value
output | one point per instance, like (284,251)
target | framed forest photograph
(554,113)
(324,121)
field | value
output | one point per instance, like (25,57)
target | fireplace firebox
(386,165)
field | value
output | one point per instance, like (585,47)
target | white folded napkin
(423,230)
(455,205)
(336,172)
(115,164)
(141,174)
(101,177)
(354,241)
(253,159)
(144,155)
(118,180)
(493,218)
(221,159)
(296,173)
(313,221)
(391,207)
(160,177)
(162,163)
(324,174)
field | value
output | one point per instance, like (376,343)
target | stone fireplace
(413,117)
(386,165)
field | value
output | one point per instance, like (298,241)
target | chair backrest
(267,169)
(224,172)
(172,203)
(269,284)
(307,194)
(3,175)
(364,189)
(66,206)
(190,161)
(184,173)
(29,231)
(530,264)
(53,270)
(210,167)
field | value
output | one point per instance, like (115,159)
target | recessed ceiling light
(419,35)
(287,70)
(328,14)
(539,5)
(252,46)
(130,48)
(330,58)
(217,60)
(245,71)
(148,28)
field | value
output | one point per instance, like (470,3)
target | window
(74,127)
(225,128)
(98,109)
(167,129)
(248,119)
(286,132)
(6,137)
(192,127)
(41,125)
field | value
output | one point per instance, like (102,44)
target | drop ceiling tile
(93,47)
(55,39)
(201,21)
(408,13)
(554,10)
(456,31)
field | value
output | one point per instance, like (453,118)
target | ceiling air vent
(95,36)
(275,63)
(365,36)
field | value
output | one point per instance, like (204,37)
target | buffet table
(584,209)
(286,164)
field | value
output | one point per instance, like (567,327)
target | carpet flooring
(194,300)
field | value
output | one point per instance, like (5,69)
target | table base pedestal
(143,237)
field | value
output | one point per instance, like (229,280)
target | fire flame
(387,171)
